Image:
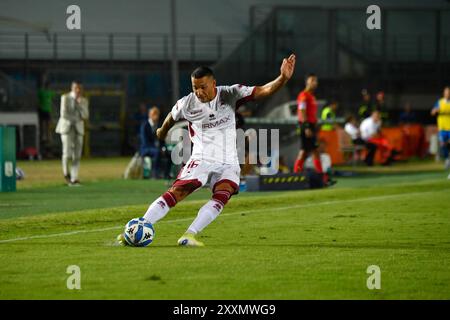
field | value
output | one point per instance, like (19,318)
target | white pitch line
(317,204)
(58,234)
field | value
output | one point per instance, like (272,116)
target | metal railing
(320,35)
(114,46)
(399,47)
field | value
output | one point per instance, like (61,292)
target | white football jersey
(212,125)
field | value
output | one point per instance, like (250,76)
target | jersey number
(193,164)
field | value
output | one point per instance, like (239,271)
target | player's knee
(180,192)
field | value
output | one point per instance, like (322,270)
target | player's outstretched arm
(168,123)
(434,111)
(286,71)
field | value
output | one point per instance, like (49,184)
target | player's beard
(204,99)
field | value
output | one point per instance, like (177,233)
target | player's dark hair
(201,72)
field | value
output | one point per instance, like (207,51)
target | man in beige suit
(74,111)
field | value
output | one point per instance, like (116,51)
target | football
(139,233)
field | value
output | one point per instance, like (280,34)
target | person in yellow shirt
(328,116)
(442,110)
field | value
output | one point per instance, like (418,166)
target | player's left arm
(286,71)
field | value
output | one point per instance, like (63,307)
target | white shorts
(200,172)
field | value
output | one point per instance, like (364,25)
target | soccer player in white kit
(210,112)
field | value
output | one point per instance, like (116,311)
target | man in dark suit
(151,146)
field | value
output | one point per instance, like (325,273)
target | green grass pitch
(277,245)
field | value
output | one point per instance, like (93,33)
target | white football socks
(157,210)
(205,216)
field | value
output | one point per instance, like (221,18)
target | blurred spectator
(351,128)
(380,103)
(366,106)
(380,106)
(137,119)
(442,110)
(45,98)
(407,116)
(151,147)
(140,117)
(371,133)
(74,111)
(369,128)
(328,116)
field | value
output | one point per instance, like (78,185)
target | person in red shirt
(307,118)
